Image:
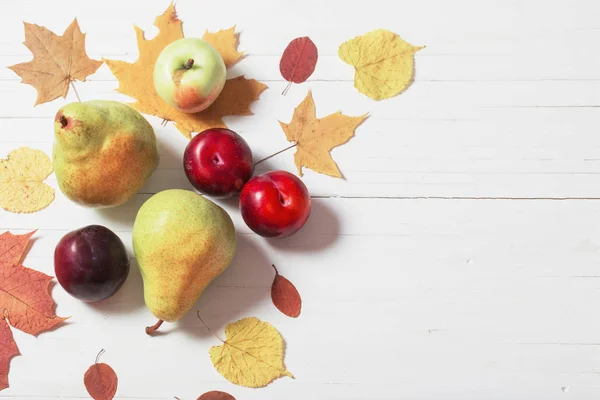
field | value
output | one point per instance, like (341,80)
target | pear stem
(274,154)
(189,63)
(151,329)
(206,326)
(75,91)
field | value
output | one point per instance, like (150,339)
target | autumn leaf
(136,80)
(251,355)
(57,61)
(8,350)
(100,380)
(22,175)
(383,63)
(285,296)
(298,61)
(216,395)
(24,299)
(226,42)
(315,138)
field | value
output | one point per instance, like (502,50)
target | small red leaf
(8,349)
(216,395)
(100,380)
(298,60)
(285,296)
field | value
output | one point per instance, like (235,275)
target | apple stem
(287,88)
(151,329)
(75,91)
(206,326)
(189,63)
(274,154)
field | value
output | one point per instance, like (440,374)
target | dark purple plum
(91,263)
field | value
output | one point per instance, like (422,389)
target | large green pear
(104,151)
(182,242)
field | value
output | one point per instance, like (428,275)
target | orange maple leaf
(136,80)
(57,61)
(24,299)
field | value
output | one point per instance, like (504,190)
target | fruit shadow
(321,231)
(231,296)
(129,298)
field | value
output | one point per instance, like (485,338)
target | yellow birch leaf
(315,138)
(383,63)
(136,80)
(251,355)
(22,187)
(226,42)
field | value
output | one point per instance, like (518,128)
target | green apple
(189,74)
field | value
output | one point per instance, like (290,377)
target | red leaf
(285,296)
(298,60)
(216,395)
(8,349)
(100,380)
(12,248)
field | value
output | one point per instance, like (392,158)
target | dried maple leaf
(216,395)
(57,61)
(285,296)
(383,63)
(136,80)
(251,355)
(24,298)
(100,380)
(8,350)
(22,187)
(298,61)
(315,138)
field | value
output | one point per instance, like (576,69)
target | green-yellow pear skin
(182,241)
(104,152)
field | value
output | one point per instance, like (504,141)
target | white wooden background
(459,260)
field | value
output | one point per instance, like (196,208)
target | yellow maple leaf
(315,138)
(383,63)
(21,181)
(225,41)
(57,61)
(251,355)
(136,80)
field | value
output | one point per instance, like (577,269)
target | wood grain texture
(459,260)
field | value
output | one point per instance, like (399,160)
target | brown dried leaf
(100,380)
(285,296)
(57,60)
(8,350)
(216,395)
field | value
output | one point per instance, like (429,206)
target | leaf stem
(287,88)
(206,326)
(151,329)
(98,355)
(275,268)
(75,90)
(274,154)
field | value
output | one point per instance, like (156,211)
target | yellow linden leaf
(315,138)
(21,181)
(251,355)
(383,63)
(136,80)
(225,41)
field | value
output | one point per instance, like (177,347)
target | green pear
(104,152)
(182,242)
